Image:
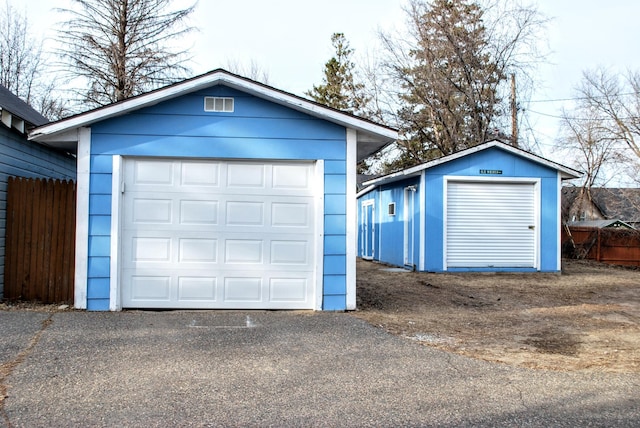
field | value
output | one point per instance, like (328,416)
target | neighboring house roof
(613,203)
(600,224)
(566,172)
(370,136)
(17,114)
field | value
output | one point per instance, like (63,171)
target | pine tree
(451,86)
(339,89)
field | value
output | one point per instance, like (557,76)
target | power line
(555,100)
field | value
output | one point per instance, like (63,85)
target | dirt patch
(587,318)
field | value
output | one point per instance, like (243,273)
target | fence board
(608,245)
(40,240)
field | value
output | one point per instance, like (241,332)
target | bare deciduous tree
(617,99)
(122,48)
(585,135)
(20,54)
(251,70)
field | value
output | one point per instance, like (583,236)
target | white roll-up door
(218,234)
(491,225)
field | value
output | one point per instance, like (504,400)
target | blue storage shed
(216,192)
(492,207)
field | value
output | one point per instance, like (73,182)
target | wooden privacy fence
(609,245)
(40,240)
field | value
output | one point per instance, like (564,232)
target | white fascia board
(207,80)
(365,191)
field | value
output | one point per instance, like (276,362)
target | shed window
(218,104)
(392,208)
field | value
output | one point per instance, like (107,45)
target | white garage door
(204,234)
(490,225)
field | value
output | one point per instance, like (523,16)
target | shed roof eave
(566,173)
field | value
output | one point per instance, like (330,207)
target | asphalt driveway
(274,369)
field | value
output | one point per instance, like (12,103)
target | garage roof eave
(372,136)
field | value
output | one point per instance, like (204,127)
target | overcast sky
(290,40)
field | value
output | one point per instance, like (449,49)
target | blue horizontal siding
(22,158)
(335,244)
(216,147)
(232,126)
(334,303)
(257,129)
(98,288)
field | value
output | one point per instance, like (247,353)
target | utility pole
(514,112)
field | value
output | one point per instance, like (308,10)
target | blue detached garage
(492,207)
(216,192)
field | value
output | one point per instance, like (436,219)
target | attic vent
(218,104)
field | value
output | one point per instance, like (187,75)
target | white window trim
(225,101)
(391,207)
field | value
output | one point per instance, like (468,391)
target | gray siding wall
(22,158)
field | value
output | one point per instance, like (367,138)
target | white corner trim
(319,217)
(559,220)
(114,268)
(82,217)
(352,218)
(422,200)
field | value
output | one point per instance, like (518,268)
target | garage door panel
(198,250)
(198,212)
(150,288)
(288,289)
(245,176)
(194,289)
(199,174)
(218,234)
(152,173)
(152,211)
(244,213)
(243,289)
(288,177)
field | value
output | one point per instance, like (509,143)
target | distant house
(604,204)
(492,207)
(600,224)
(22,158)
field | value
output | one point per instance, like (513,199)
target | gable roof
(16,113)
(566,172)
(613,203)
(371,136)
